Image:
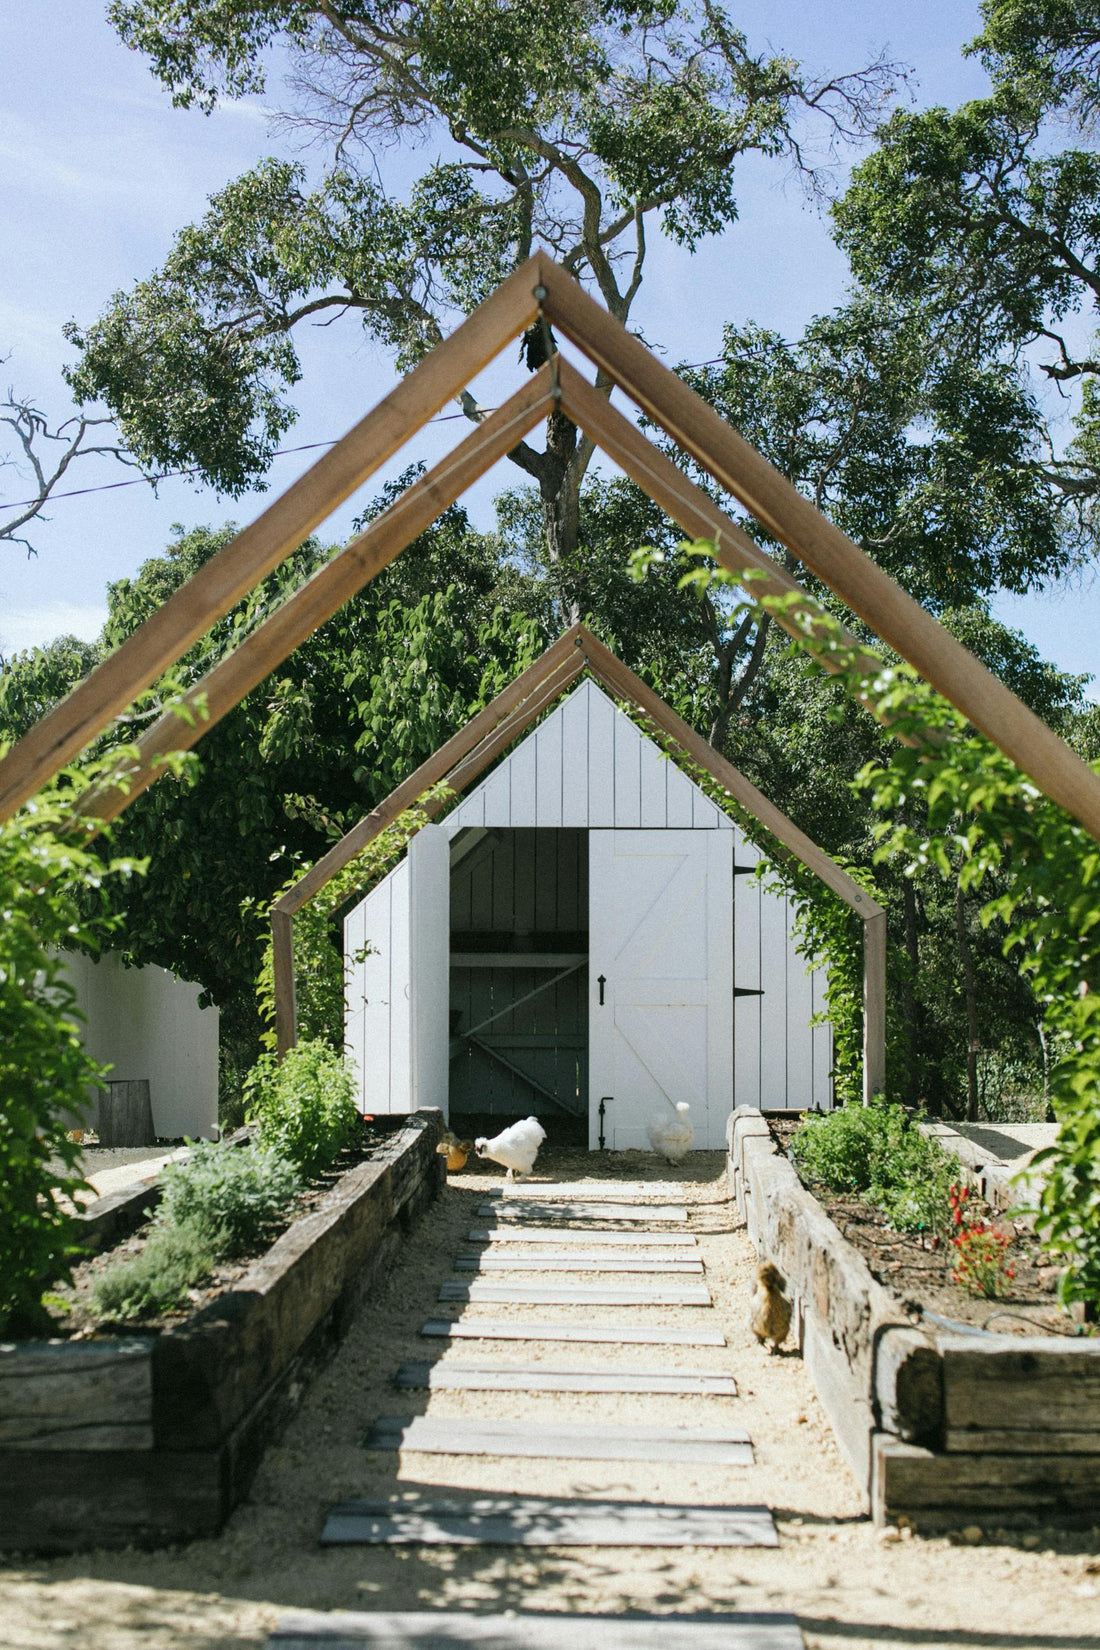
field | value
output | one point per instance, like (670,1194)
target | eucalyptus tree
(984,222)
(453,137)
(36,454)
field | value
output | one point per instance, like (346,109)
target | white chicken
(515,1147)
(672,1140)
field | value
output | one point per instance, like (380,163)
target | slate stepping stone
(620,1191)
(593,1261)
(578,1294)
(538,1521)
(530,1210)
(471,1377)
(508,1329)
(561,1441)
(563,1235)
(451,1630)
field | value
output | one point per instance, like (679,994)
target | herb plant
(157,1280)
(234,1196)
(303,1107)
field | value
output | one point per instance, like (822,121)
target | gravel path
(851,1586)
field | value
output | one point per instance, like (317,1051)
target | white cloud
(26,627)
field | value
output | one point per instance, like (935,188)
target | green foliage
(924,461)
(839,1150)
(951,802)
(157,1280)
(356,708)
(880,1152)
(983,224)
(319,966)
(303,1106)
(233,1196)
(53,895)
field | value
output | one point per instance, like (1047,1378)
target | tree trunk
(970,989)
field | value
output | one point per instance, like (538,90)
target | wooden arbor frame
(457,763)
(539,288)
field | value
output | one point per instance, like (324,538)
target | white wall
(144,1022)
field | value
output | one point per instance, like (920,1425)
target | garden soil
(851,1587)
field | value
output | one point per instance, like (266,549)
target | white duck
(515,1147)
(672,1140)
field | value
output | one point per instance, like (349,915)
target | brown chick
(456,1151)
(769,1309)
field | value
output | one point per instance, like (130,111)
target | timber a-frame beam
(541,287)
(829,554)
(215,694)
(256,551)
(471,750)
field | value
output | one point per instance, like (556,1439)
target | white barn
(582,935)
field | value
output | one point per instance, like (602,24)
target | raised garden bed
(155,1438)
(939,1426)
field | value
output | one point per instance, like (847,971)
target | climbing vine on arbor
(318,965)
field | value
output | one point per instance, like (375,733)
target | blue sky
(98,172)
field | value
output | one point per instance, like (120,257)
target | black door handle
(601,981)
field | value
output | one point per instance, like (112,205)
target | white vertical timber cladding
(679,798)
(548,770)
(800,1008)
(602,717)
(774,945)
(429,862)
(628,773)
(574,769)
(585,765)
(400,989)
(822,1046)
(376,1001)
(353,995)
(661,935)
(523,811)
(746,975)
(653,802)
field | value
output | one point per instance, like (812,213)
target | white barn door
(430,966)
(661,937)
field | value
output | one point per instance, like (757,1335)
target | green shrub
(52,897)
(880,1152)
(233,1195)
(839,1149)
(174,1260)
(303,1107)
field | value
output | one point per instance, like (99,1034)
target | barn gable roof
(587,764)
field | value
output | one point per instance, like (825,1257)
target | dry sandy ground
(850,1587)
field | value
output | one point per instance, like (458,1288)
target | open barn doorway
(519,975)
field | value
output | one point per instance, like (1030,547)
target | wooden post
(824,549)
(874,1006)
(220,584)
(223,687)
(286,1005)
